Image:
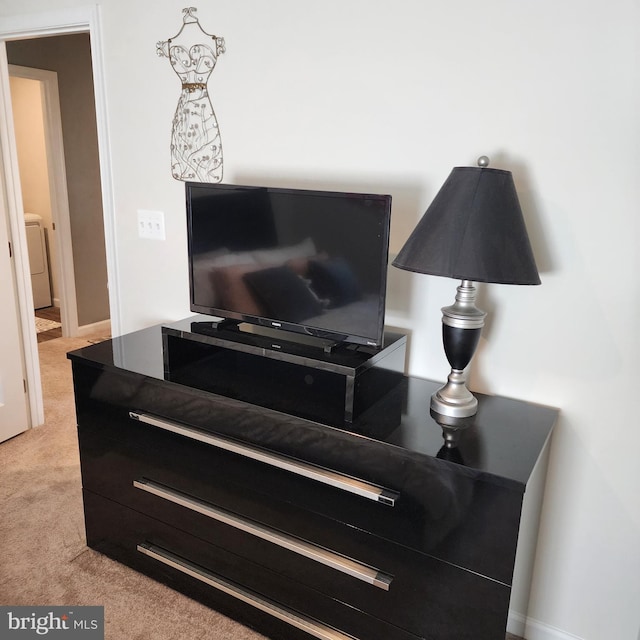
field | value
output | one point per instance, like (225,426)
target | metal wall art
(196,148)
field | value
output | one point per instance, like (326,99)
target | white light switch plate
(151,224)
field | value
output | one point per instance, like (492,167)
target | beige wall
(26,97)
(70,57)
(28,120)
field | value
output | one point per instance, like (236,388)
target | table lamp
(473,231)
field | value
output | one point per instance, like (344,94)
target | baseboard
(104,326)
(531,629)
(516,624)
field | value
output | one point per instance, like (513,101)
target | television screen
(312,262)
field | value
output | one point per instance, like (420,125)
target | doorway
(56,140)
(15,31)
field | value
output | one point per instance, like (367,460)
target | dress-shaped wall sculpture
(196,147)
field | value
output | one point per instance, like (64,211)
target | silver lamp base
(454,399)
(462,324)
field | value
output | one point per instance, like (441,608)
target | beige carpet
(43,556)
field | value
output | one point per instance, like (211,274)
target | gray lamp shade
(473,230)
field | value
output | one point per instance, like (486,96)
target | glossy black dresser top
(502,444)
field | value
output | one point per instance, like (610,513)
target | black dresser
(363,525)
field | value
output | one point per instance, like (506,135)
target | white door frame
(80,20)
(58,196)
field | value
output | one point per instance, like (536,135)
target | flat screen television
(310,262)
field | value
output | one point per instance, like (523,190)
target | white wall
(389,97)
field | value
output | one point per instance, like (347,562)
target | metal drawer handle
(346,483)
(310,626)
(336,561)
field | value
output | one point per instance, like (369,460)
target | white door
(14,417)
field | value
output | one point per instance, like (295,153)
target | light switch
(151,224)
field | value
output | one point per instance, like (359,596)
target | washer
(38,260)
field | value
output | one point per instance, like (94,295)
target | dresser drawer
(230,583)
(162,475)
(415,501)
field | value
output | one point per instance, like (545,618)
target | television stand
(302,375)
(276,338)
(258,334)
(207,326)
